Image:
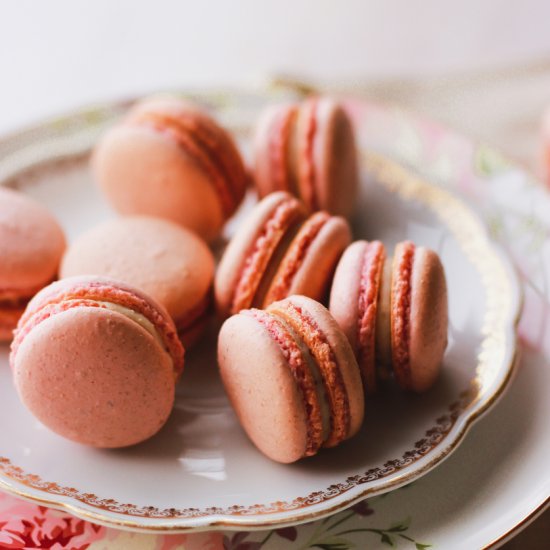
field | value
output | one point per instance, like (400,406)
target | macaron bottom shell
(428,321)
(96,377)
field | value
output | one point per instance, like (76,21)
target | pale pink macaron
(279,251)
(291,377)
(394,312)
(168,262)
(169,158)
(31,246)
(96,361)
(309,150)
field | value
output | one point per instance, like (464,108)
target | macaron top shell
(428,318)
(31,245)
(165,260)
(344,293)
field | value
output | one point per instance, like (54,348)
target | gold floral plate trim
(496,358)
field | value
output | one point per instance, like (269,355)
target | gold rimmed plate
(200,471)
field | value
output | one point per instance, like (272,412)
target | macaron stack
(109,337)
(393,311)
(96,361)
(279,251)
(170,159)
(308,149)
(291,376)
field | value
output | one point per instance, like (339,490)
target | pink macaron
(166,261)
(309,150)
(291,377)
(279,251)
(96,361)
(31,246)
(394,312)
(170,159)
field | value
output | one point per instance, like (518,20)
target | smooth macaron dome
(169,158)
(291,377)
(309,150)
(394,312)
(96,361)
(279,251)
(31,246)
(419,316)
(165,260)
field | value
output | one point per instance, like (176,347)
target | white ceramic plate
(200,471)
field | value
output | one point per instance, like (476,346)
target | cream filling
(138,318)
(316,374)
(383,323)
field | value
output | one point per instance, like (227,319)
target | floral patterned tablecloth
(24,525)
(515,213)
